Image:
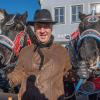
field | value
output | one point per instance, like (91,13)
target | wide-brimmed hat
(43,16)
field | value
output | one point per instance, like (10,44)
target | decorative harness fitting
(18,42)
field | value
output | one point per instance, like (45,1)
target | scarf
(39,45)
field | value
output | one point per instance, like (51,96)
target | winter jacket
(49,79)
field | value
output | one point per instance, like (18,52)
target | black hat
(43,16)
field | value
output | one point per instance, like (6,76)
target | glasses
(43,25)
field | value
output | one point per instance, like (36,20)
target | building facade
(65,12)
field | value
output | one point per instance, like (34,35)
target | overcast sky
(20,6)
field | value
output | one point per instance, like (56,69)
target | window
(95,6)
(60,15)
(75,12)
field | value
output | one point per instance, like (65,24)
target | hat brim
(33,22)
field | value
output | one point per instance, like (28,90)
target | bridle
(90,33)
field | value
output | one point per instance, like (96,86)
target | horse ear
(82,16)
(24,16)
(3,11)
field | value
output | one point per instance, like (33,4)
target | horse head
(91,21)
(89,40)
(12,39)
(13,24)
(12,29)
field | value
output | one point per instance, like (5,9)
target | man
(44,59)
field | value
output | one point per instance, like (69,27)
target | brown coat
(50,77)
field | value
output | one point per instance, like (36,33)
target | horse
(12,39)
(86,54)
(88,47)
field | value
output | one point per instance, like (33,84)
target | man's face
(43,31)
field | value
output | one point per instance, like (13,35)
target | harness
(90,33)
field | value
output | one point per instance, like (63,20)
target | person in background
(44,59)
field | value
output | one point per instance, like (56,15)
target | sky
(20,6)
